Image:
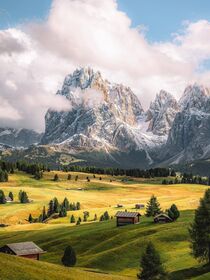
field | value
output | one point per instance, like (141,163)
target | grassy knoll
(14,268)
(101,246)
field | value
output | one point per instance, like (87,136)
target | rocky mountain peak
(194,97)
(161,113)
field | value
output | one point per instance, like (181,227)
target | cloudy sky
(147,45)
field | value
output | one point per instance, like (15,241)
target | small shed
(139,206)
(126,218)
(23,249)
(162,218)
(8,199)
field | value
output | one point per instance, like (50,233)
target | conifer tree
(56,178)
(95,217)
(72,220)
(2,197)
(69,177)
(66,204)
(200,230)
(50,208)
(69,257)
(11,196)
(152,268)
(30,219)
(153,207)
(44,215)
(56,205)
(173,212)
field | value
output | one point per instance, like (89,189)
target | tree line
(141,173)
(186,178)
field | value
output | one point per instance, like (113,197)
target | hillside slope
(25,269)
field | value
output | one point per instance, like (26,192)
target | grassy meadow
(101,246)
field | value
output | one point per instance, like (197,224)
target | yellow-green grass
(96,196)
(16,268)
(102,246)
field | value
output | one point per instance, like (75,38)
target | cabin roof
(25,248)
(124,214)
(162,215)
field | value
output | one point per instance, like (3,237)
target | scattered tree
(173,212)
(200,230)
(30,219)
(56,178)
(69,177)
(151,265)
(95,217)
(72,220)
(153,207)
(23,197)
(69,257)
(2,197)
(11,196)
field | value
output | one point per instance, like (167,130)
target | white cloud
(36,57)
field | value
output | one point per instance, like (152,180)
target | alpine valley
(107,126)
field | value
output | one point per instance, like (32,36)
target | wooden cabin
(139,206)
(162,218)
(127,218)
(23,249)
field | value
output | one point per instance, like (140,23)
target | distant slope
(17,268)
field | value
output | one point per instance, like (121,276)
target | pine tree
(2,197)
(50,208)
(200,230)
(78,222)
(62,212)
(66,204)
(11,196)
(72,220)
(85,218)
(23,197)
(78,206)
(56,178)
(95,217)
(76,178)
(153,207)
(173,212)
(56,205)
(69,257)
(30,219)
(69,177)
(151,265)
(44,215)
(106,216)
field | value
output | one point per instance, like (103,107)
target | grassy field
(101,246)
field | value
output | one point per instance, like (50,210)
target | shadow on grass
(189,272)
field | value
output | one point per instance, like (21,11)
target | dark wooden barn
(24,249)
(162,218)
(126,218)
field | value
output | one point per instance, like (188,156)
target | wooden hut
(162,218)
(139,206)
(126,218)
(23,249)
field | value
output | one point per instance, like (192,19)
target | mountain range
(107,125)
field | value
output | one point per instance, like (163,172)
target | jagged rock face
(190,133)
(99,110)
(19,137)
(161,113)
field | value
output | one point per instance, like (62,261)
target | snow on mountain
(189,136)
(161,113)
(19,137)
(104,116)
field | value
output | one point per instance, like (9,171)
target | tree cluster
(186,178)
(23,197)
(105,216)
(54,207)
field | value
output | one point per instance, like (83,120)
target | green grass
(101,246)
(15,268)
